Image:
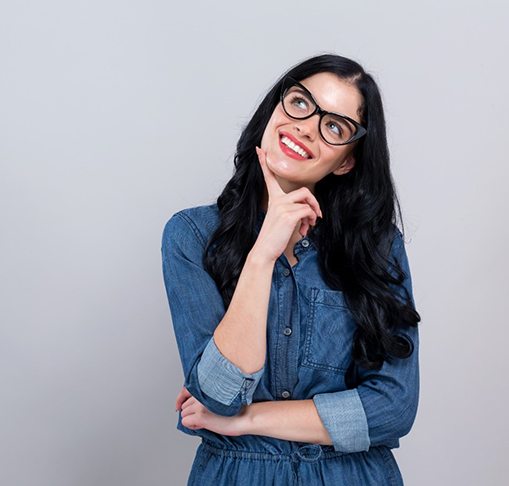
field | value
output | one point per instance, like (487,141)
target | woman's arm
(380,410)
(296,420)
(222,353)
(241,336)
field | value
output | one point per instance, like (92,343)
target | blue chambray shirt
(309,336)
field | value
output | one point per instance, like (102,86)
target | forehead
(334,94)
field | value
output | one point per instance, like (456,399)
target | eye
(333,127)
(299,102)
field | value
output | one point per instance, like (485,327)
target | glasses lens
(336,129)
(297,103)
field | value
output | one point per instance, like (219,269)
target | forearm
(241,336)
(296,420)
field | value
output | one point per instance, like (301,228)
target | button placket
(286,355)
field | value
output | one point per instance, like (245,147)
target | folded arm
(197,308)
(380,410)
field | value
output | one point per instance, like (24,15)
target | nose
(307,128)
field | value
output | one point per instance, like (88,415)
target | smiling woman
(291,296)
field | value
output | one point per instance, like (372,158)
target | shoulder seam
(192,225)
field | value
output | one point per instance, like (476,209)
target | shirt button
(285,394)
(287,331)
(286,272)
(304,242)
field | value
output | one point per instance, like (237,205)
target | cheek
(270,134)
(327,156)
(333,156)
(264,143)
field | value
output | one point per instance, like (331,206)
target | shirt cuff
(222,380)
(342,414)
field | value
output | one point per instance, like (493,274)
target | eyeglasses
(334,128)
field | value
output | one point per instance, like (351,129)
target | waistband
(307,453)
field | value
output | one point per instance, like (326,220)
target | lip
(297,142)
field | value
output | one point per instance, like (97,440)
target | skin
(295,420)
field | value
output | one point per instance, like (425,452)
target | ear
(345,166)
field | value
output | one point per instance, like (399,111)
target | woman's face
(332,94)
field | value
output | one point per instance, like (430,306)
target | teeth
(294,147)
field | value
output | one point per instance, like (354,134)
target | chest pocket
(329,327)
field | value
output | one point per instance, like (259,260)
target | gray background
(99,111)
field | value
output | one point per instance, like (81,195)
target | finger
(306,225)
(188,403)
(307,215)
(311,216)
(273,187)
(303,230)
(303,194)
(187,410)
(191,422)
(182,397)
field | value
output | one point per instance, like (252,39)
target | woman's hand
(196,416)
(284,212)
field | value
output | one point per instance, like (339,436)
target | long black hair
(358,226)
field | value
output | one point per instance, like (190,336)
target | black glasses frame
(360,130)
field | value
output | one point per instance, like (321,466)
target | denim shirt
(309,337)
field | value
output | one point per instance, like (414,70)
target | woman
(291,297)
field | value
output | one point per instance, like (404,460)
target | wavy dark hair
(356,233)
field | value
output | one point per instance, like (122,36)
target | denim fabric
(220,379)
(309,335)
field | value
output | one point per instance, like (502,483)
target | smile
(292,149)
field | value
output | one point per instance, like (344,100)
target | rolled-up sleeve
(196,308)
(342,414)
(383,407)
